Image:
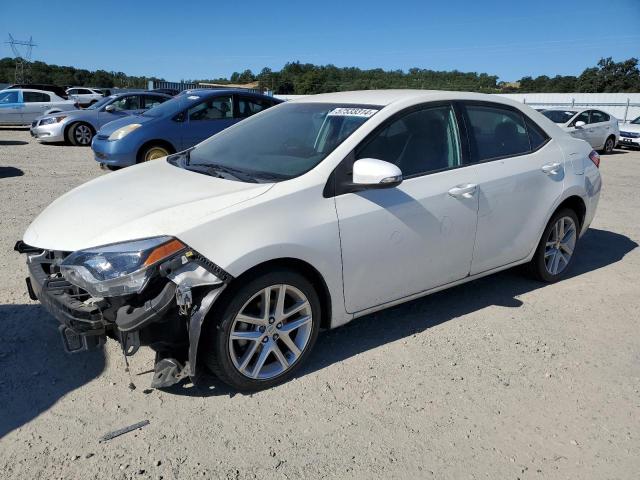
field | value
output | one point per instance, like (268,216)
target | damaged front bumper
(168,315)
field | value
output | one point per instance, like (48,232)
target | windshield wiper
(216,167)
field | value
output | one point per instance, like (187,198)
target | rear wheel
(80,134)
(264,332)
(556,248)
(609,144)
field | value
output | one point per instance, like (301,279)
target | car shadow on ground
(8,172)
(9,143)
(35,372)
(402,321)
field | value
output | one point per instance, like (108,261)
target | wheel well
(159,142)
(576,204)
(68,127)
(304,268)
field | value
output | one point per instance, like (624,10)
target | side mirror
(374,173)
(579,124)
(110,108)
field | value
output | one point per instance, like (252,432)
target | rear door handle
(551,168)
(463,191)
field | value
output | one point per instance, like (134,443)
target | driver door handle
(551,168)
(463,191)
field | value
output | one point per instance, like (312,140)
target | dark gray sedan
(79,126)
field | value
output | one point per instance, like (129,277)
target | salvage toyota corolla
(233,254)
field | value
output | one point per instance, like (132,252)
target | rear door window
(152,101)
(217,108)
(249,106)
(132,102)
(495,132)
(598,117)
(32,97)
(537,136)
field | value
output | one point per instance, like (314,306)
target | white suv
(85,96)
(233,254)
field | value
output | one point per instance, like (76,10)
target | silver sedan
(78,127)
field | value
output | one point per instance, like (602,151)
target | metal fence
(623,106)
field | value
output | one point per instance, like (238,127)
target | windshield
(558,116)
(636,121)
(100,103)
(281,143)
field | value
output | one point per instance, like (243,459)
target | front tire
(153,152)
(263,332)
(556,249)
(80,134)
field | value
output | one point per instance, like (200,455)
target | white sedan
(22,106)
(594,126)
(630,134)
(233,254)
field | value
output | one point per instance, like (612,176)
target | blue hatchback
(176,125)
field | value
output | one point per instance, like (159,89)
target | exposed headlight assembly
(119,268)
(124,131)
(50,120)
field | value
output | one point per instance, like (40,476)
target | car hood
(151,199)
(74,114)
(109,128)
(629,127)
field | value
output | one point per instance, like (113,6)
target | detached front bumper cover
(170,312)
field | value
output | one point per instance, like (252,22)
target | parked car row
(80,126)
(231,255)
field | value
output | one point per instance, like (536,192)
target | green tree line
(306,78)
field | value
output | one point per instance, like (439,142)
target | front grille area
(630,134)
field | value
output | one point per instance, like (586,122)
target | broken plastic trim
(22,247)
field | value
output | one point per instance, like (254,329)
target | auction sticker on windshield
(352,112)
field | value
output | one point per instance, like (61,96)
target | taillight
(595,158)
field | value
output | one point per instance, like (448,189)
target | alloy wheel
(608,146)
(154,153)
(270,332)
(560,245)
(82,135)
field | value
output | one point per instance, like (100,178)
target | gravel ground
(500,378)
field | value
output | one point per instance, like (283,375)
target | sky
(203,39)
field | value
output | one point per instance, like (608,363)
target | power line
(23,62)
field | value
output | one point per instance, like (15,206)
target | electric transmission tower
(23,62)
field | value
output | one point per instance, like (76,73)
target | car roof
(387,97)
(28,90)
(572,109)
(217,91)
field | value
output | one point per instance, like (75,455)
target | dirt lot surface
(501,378)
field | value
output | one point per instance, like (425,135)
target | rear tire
(555,252)
(282,340)
(609,145)
(80,134)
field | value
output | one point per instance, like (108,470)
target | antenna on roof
(23,62)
